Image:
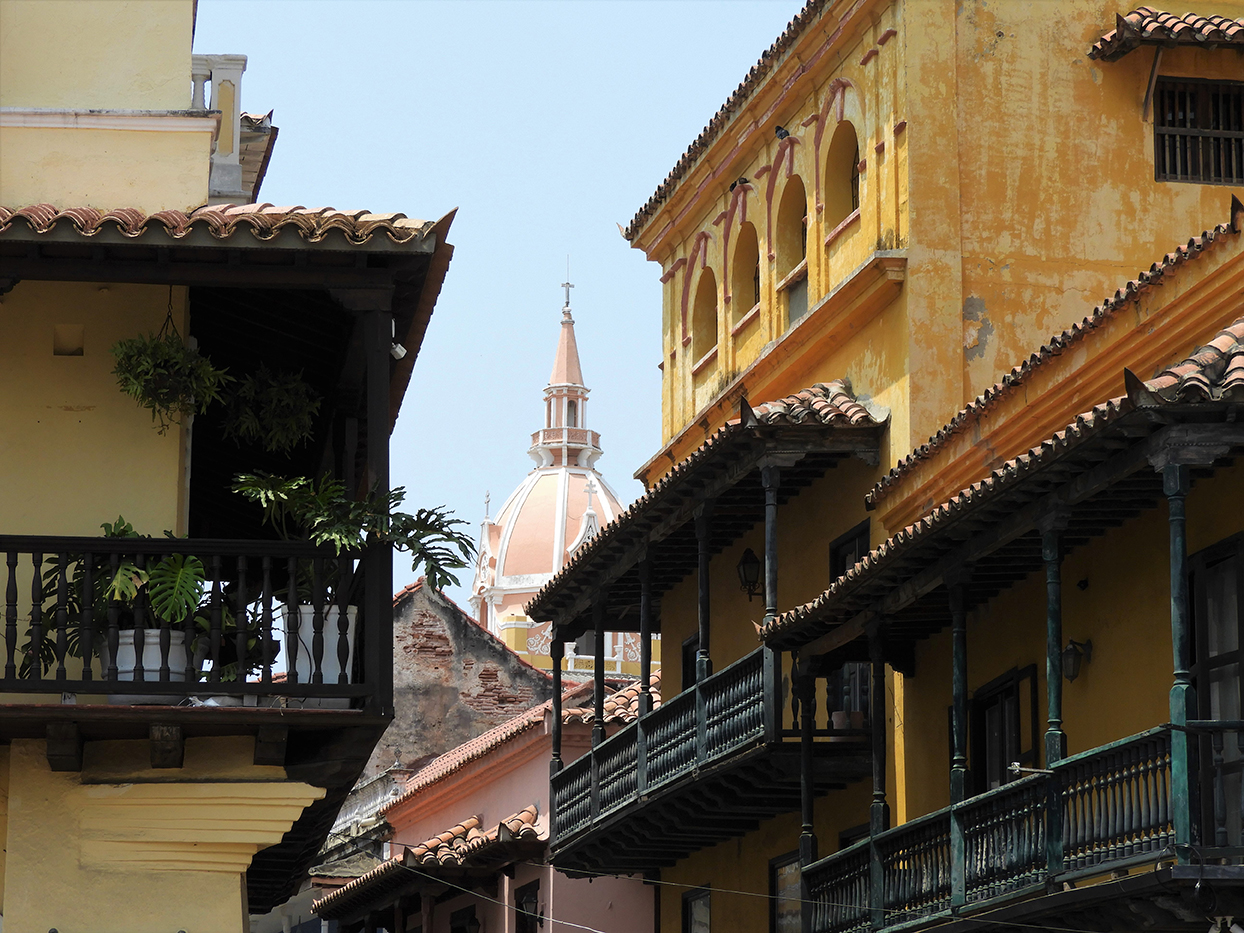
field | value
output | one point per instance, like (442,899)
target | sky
(546,124)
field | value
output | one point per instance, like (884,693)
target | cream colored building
(176,799)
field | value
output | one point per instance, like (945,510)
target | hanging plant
(274,409)
(165,376)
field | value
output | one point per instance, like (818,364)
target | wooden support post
(807,761)
(959,687)
(645,636)
(1052,527)
(770,476)
(378,598)
(1183,703)
(703,537)
(879,812)
(557,649)
(598,673)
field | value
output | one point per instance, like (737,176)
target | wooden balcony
(65,677)
(709,764)
(1088,845)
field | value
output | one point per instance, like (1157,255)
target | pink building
(469,834)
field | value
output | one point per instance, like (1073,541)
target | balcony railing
(669,764)
(1101,810)
(570,437)
(277,620)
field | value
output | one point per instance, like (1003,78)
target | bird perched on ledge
(781,132)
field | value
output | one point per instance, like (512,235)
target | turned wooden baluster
(10,619)
(317,621)
(293,623)
(62,614)
(241,632)
(1220,795)
(114,618)
(86,621)
(343,621)
(266,638)
(216,632)
(36,619)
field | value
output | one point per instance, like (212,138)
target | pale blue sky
(546,124)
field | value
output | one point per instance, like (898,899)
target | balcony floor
(706,807)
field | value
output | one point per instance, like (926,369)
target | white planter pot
(127,654)
(300,626)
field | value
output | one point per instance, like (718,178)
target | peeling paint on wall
(977,328)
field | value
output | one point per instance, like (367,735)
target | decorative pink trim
(868,56)
(886,36)
(686,340)
(749,318)
(899,127)
(661,366)
(842,227)
(674,269)
(810,120)
(703,361)
(763,171)
(879,148)
(862,167)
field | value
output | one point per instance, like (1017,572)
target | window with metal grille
(1199,131)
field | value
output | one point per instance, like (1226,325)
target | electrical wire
(801,901)
(526,913)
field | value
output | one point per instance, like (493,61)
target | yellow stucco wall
(105,168)
(96,54)
(1008,238)
(84,849)
(74,451)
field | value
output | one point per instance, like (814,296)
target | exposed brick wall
(452,680)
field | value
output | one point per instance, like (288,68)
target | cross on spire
(591,488)
(566,285)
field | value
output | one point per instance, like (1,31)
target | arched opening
(842,175)
(704,316)
(745,274)
(792,227)
(572,414)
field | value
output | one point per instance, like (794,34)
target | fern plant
(167,377)
(276,410)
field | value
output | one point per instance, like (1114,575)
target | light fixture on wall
(529,904)
(749,574)
(1075,654)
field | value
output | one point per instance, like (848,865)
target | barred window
(1199,131)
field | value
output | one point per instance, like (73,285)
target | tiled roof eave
(1127,294)
(667,495)
(268,226)
(1147,26)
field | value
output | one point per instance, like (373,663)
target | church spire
(565,438)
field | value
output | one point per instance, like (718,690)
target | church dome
(560,505)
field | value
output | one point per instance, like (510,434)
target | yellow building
(869,426)
(147,783)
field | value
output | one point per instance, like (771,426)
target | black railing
(1102,809)
(731,710)
(169,620)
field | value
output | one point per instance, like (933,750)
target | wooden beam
(270,745)
(64,746)
(168,745)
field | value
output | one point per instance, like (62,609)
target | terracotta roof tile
(455,848)
(734,102)
(1060,343)
(1214,371)
(264,221)
(622,706)
(1147,26)
(831,403)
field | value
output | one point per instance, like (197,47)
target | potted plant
(167,376)
(321,512)
(276,410)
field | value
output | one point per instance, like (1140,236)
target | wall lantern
(529,904)
(749,574)
(1075,654)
